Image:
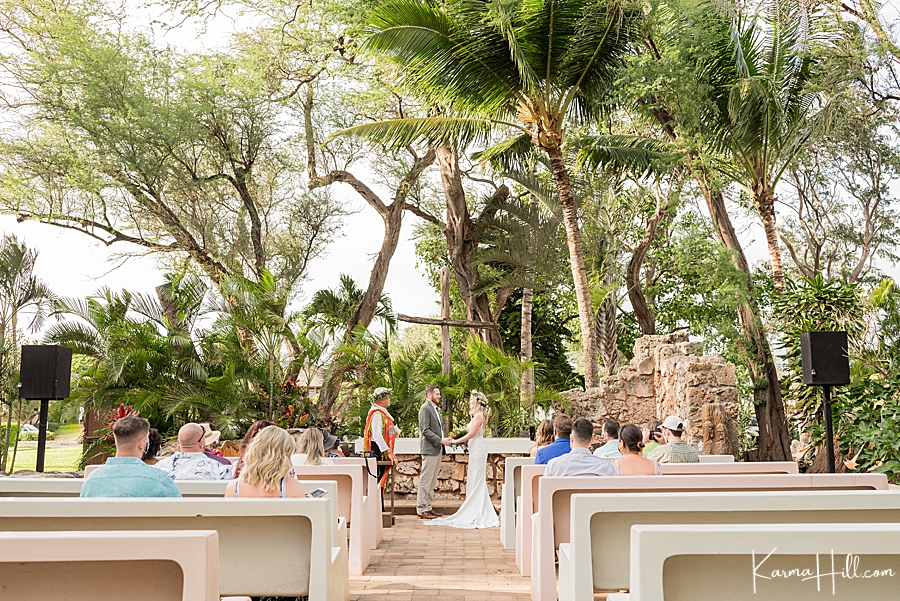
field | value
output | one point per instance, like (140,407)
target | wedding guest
(652,436)
(267,467)
(579,461)
(311,449)
(126,475)
(245,443)
(675,450)
(610,446)
(562,430)
(632,462)
(210,438)
(542,437)
(155,444)
(190,463)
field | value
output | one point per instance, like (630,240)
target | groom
(431,446)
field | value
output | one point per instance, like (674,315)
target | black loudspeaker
(826,361)
(46,371)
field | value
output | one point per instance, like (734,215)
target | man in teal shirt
(126,475)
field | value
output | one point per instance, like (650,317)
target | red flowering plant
(105,443)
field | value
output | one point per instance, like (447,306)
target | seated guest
(675,450)
(632,462)
(267,468)
(210,438)
(543,436)
(579,461)
(153,448)
(562,430)
(652,436)
(245,443)
(190,463)
(610,434)
(126,475)
(311,449)
(330,442)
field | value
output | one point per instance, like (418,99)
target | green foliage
(550,331)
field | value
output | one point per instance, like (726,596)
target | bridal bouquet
(458,433)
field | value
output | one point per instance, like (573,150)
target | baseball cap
(674,423)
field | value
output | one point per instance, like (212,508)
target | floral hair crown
(477,395)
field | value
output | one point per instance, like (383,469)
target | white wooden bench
(599,554)
(716,458)
(142,566)
(510,491)
(373,494)
(707,562)
(552,523)
(267,547)
(352,505)
(531,479)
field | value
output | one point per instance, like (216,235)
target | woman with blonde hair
(543,436)
(311,449)
(477,511)
(267,467)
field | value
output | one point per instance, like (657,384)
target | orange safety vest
(388,431)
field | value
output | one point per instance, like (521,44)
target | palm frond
(461,132)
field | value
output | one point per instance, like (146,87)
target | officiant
(381,434)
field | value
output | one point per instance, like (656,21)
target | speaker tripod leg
(829,429)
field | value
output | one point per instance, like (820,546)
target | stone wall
(451,477)
(665,377)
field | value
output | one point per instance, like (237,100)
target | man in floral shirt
(191,463)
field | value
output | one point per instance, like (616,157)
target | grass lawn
(60,459)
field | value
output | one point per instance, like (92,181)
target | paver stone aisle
(416,562)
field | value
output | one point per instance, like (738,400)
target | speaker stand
(42,435)
(829,429)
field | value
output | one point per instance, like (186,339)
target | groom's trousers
(431,465)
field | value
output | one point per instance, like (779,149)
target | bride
(477,511)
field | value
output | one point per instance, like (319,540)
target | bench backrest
(745,467)
(710,562)
(697,469)
(557,492)
(144,566)
(610,518)
(716,458)
(343,480)
(265,545)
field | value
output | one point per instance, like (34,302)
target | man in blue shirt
(126,475)
(562,430)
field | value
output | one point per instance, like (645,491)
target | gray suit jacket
(430,429)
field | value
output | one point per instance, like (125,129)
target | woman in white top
(311,449)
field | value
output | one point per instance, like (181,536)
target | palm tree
(520,242)
(20,290)
(333,308)
(530,66)
(763,112)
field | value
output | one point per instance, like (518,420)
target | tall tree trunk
(764,199)
(576,259)
(607,334)
(526,387)
(462,242)
(645,317)
(774,440)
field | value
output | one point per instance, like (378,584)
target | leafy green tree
(531,66)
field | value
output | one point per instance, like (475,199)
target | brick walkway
(440,564)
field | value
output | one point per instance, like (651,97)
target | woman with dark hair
(542,437)
(632,462)
(245,443)
(153,447)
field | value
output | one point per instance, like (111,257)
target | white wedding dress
(477,511)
